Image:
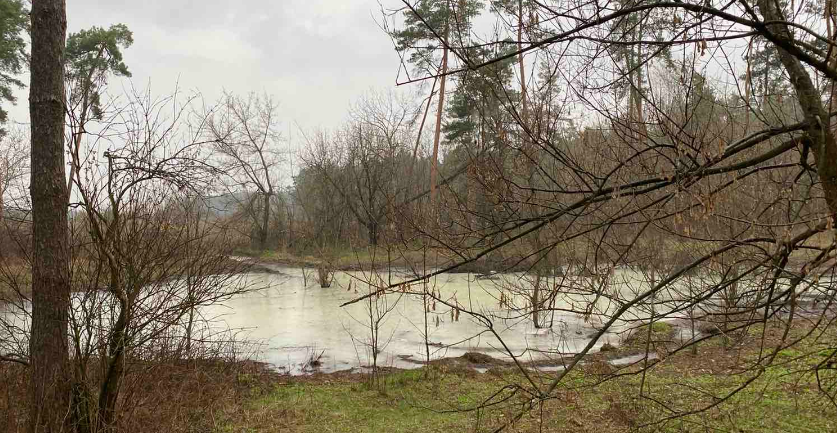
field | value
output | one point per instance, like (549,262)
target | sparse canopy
(91,56)
(244,132)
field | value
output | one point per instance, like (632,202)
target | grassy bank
(447,396)
(349,260)
(16,275)
(397,257)
(450,396)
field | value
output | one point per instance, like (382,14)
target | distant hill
(227,205)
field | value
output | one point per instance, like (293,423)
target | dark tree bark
(265,222)
(372,228)
(112,382)
(49,390)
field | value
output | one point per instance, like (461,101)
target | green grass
(782,399)
(773,403)
(661,327)
(402,404)
(349,258)
(398,255)
(660,332)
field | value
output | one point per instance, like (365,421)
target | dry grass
(15,275)
(14,379)
(181,396)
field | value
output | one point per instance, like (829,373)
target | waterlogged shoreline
(300,329)
(602,393)
(303,329)
(416,262)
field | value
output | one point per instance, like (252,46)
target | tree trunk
(536,304)
(694,348)
(372,228)
(439,110)
(529,152)
(191,320)
(81,409)
(75,163)
(49,389)
(290,237)
(265,222)
(113,377)
(524,106)
(819,135)
(74,157)
(418,135)
(2,191)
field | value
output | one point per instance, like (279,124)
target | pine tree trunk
(439,110)
(418,135)
(524,115)
(49,389)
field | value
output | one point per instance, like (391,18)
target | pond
(295,323)
(292,324)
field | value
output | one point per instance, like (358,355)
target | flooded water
(295,323)
(633,359)
(300,329)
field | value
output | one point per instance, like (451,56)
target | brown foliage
(170,396)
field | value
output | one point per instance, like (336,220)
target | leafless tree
(364,161)
(377,313)
(147,255)
(15,254)
(322,222)
(151,259)
(245,135)
(14,168)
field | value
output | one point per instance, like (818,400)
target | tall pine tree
(430,26)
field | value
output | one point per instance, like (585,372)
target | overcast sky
(314,56)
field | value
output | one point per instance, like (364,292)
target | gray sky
(314,56)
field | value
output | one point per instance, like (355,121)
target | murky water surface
(295,323)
